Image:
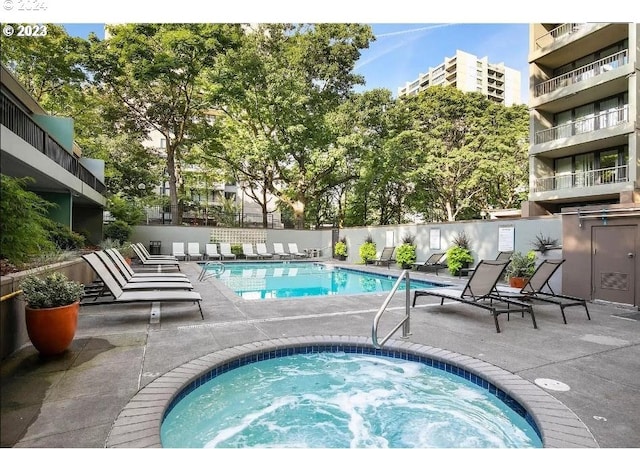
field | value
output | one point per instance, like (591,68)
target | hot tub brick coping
(562,429)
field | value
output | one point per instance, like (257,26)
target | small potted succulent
(340,249)
(51,311)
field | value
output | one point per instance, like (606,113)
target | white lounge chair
(247,250)
(144,251)
(193,250)
(261,249)
(141,296)
(146,262)
(293,250)
(211,251)
(131,276)
(278,250)
(178,250)
(105,268)
(225,251)
(121,263)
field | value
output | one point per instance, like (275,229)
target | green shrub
(118,230)
(237,250)
(341,247)
(63,237)
(367,251)
(406,254)
(127,210)
(521,265)
(23,230)
(54,290)
(457,257)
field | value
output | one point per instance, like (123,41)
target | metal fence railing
(603,120)
(588,178)
(159,215)
(19,122)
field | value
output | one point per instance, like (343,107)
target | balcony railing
(589,178)
(563,30)
(606,119)
(585,72)
(16,120)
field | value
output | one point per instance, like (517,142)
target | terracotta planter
(52,330)
(517,282)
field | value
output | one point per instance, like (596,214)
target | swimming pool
(279,280)
(328,398)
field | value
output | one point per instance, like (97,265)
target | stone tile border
(138,424)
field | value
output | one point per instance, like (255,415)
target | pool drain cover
(551,384)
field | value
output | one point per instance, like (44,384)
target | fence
(162,215)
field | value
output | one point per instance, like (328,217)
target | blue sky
(402,51)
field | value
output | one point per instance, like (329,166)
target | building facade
(469,73)
(584,154)
(584,108)
(40,146)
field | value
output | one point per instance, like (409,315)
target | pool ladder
(206,273)
(404,323)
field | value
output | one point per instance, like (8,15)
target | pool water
(334,399)
(274,280)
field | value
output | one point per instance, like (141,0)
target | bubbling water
(343,400)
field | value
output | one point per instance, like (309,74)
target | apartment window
(598,167)
(622,45)
(163,143)
(590,117)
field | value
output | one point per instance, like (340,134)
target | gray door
(614,263)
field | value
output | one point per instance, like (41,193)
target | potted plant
(459,255)
(521,268)
(367,250)
(406,252)
(51,311)
(543,243)
(340,249)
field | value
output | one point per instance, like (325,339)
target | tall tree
(49,66)
(279,88)
(458,144)
(156,71)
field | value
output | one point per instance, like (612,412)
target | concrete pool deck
(74,400)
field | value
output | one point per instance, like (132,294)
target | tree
(457,142)
(49,66)
(279,87)
(156,72)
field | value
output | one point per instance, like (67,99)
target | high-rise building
(584,153)
(469,73)
(584,92)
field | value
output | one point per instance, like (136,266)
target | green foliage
(237,250)
(406,254)
(341,247)
(23,227)
(279,88)
(63,237)
(457,257)
(522,265)
(127,210)
(118,230)
(367,251)
(54,290)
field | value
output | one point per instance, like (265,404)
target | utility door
(614,263)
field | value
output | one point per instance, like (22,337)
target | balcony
(583,73)
(603,176)
(18,122)
(606,119)
(559,32)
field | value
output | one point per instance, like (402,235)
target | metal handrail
(405,322)
(205,273)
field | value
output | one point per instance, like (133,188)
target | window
(163,143)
